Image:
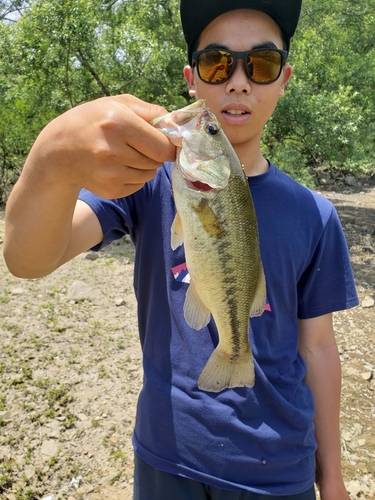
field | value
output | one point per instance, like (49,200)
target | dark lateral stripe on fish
(229,269)
(226,258)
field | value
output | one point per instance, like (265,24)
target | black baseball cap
(197,14)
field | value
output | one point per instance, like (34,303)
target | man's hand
(106,146)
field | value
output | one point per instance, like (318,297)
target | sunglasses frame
(240,55)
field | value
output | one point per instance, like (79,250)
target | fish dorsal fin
(177,236)
(257,306)
(196,313)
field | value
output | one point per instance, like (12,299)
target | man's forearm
(324,379)
(38,224)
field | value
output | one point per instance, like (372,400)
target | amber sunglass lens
(214,65)
(264,66)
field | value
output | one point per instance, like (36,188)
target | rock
(83,424)
(52,429)
(49,448)
(29,472)
(109,479)
(114,439)
(79,290)
(120,302)
(350,180)
(368,302)
(17,290)
(75,482)
(82,417)
(354,488)
(367,375)
(86,489)
(5,415)
(368,248)
(63,324)
(357,429)
(91,256)
(346,436)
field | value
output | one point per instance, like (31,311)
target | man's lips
(235,114)
(236,109)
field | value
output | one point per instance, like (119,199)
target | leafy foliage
(55,55)
(325,117)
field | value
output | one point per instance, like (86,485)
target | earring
(192,92)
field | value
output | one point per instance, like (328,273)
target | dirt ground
(70,368)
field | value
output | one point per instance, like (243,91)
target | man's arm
(106,146)
(318,348)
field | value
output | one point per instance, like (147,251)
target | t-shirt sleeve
(117,217)
(327,285)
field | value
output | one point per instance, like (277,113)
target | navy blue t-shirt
(259,439)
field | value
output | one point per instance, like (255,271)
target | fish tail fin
(222,373)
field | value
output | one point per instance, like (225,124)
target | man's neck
(253,162)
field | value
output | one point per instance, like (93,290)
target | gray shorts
(153,484)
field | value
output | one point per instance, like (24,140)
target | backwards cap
(197,14)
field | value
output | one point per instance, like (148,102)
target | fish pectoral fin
(221,372)
(259,302)
(196,313)
(177,235)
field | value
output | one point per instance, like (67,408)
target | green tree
(60,54)
(55,55)
(325,117)
(11,9)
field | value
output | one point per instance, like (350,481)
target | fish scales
(225,287)
(217,224)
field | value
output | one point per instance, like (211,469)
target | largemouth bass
(217,224)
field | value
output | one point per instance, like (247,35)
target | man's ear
(286,76)
(189,77)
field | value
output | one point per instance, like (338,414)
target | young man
(239,444)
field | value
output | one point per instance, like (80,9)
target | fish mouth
(199,186)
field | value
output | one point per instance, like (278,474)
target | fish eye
(212,129)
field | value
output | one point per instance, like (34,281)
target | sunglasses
(262,66)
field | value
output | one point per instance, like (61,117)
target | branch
(67,81)
(127,84)
(85,63)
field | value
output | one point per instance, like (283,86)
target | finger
(114,192)
(123,174)
(111,153)
(144,109)
(119,181)
(142,136)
